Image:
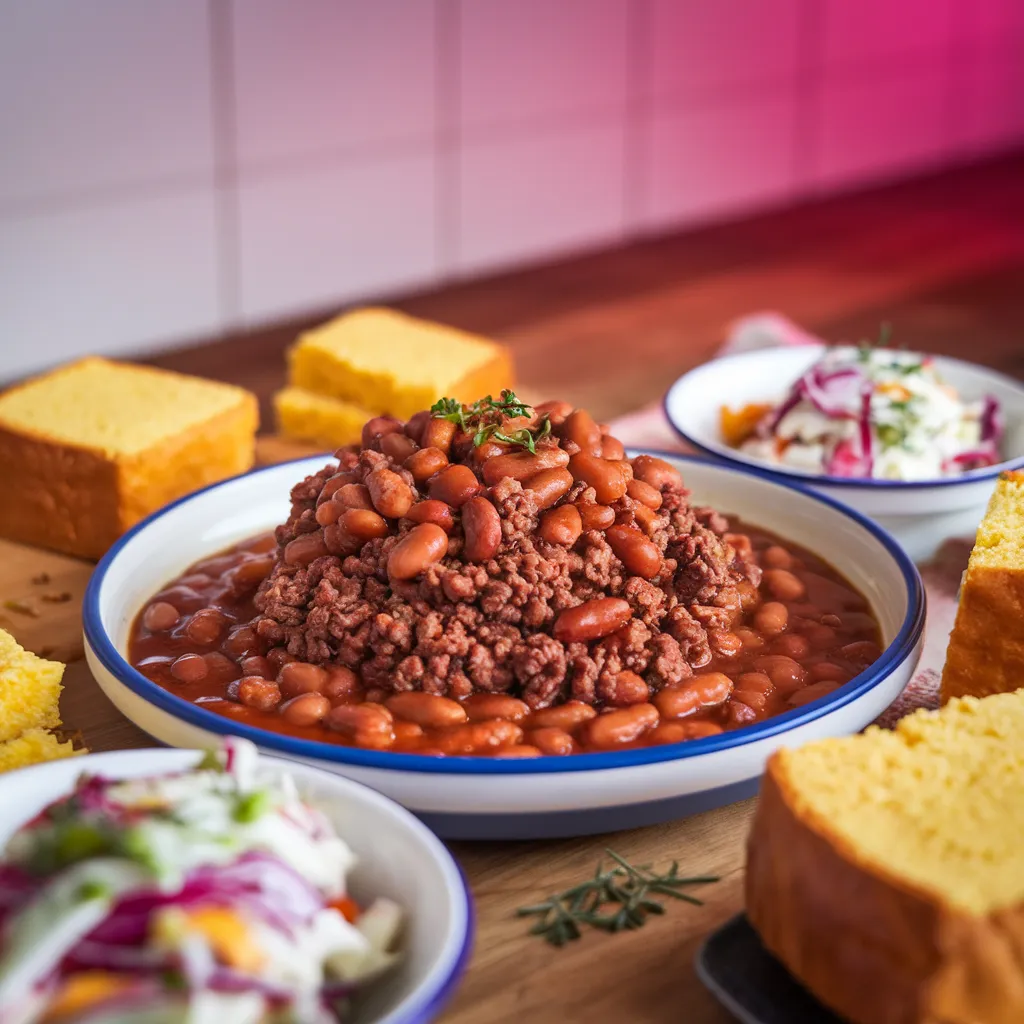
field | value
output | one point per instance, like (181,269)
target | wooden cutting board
(640,977)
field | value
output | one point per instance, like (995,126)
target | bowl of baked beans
(504,620)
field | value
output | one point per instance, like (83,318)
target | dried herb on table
(42,579)
(62,598)
(21,608)
(484,419)
(616,899)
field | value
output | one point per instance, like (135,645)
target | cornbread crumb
(29,690)
(305,416)
(986,647)
(34,746)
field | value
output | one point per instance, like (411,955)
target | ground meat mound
(461,627)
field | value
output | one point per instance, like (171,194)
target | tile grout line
(637,117)
(447,136)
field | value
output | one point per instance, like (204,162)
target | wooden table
(942,259)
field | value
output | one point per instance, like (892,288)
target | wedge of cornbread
(34,746)
(388,362)
(29,690)
(306,416)
(90,449)
(986,648)
(886,870)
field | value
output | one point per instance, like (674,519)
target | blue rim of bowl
(896,653)
(780,474)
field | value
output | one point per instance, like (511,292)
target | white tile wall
(176,167)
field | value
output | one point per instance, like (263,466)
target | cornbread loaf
(391,363)
(986,647)
(90,449)
(34,746)
(886,870)
(306,416)
(29,690)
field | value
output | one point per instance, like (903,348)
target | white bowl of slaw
(921,514)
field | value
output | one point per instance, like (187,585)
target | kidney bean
(421,547)
(646,519)
(549,486)
(415,425)
(363,525)
(366,725)
(562,716)
(592,620)
(341,685)
(776,557)
(390,494)
(523,465)
(482,706)
(827,670)
(398,446)
(703,691)
(438,434)
(426,709)
(819,689)
(792,645)
(480,737)
(861,654)
(755,682)
(353,496)
(308,708)
(257,665)
(656,472)
(552,741)
(771,618)
(628,688)
(751,641)
(481,526)
(556,411)
(739,714)
(189,668)
(378,427)
(561,525)
(261,694)
(605,477)
(305,548)
(432,511)
(298,677)
(612,448)
(624,725)
(162,616)
(580,428)
(454,485)
(595,517)
(406,731)
(644,493)
(639,555)
(425,463)
(783,585)
(332,485)
(786,674)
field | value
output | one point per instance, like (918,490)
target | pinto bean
(261,694)
(299,677)
(657,472)
(819,689)
(342,685)
(771,618)
(592,620)
(482,706)
(793,645)
(637,553)
(784,585)
(703,691)
(861,653)
(353,496)
(678,732)
(523,465)
(205,626)
(516,753)
(487,450)
(305,548)
(786,674)
(339,541)
(161,616)
(406,731)
(308,708)
(552,741)
(398,446)
(327,513)
(257,665)
(605,477)
(562,716)
(423,464)
(390,494)
(828,670)
(644,493)
(595,517)
(363,525)
(480,737)
(776,557)
(414,428)
(366,725)
(378,427)
(454,485)
(612,448)
(438,434)
(189,668)
(561,525)
(646,518)
(421,547)
(426,709)
(628,688)
(432,511)
(481,525)
(557,411)
(624,725)
(549,486)
(580,428)
(754,682)
(332,485)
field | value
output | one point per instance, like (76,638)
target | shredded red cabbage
(834,393)
(992,425)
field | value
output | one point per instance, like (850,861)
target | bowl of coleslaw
(912,440)
(172,886)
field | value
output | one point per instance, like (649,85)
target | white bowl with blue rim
(485,798)
(920,514)
(399,858)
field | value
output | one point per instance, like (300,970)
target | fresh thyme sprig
(483,419)
(616,899)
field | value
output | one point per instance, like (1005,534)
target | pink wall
(175,168)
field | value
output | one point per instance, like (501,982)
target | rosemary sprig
(618,898)
(483,419)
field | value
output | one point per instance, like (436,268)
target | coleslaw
(209,897)
(874,413)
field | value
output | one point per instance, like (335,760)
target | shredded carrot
(347,907)
(739,425)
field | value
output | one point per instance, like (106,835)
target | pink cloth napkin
(648,428)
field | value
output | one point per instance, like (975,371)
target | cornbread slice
(886,870)
(305,416)
(34,746)
(986,648)
(29,689)
(90,449)
(396,364)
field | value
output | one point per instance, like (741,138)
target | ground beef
(461,627)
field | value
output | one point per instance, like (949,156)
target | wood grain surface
(941,259)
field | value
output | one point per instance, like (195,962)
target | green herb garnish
(617,899)
(867,346)
(483,419)
(251,806)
